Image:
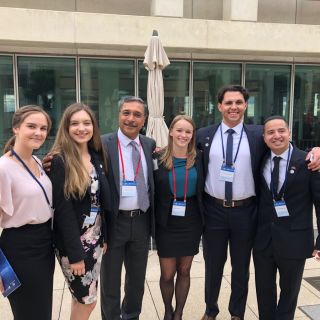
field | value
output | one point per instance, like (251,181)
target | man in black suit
(285,237)
(232,154)
(130,174)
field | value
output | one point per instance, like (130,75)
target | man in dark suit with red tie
(285,238)
(232,155)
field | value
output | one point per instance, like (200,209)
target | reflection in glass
(50,83)
(306,110)
(208,78)
(103,84)
(176,88)
(7,98)
(269,88)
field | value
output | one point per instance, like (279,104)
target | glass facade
(7,98)
(306,111)
(176,79)
(207,79)
(269,87)
(190,87)
(102,84)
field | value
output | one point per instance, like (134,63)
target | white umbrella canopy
(155,60)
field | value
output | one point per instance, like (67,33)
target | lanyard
(32,175)
(281,192)
(175,184)
(223,153)
(122,162)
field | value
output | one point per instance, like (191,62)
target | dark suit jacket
(256,144)
(110,143)
(69,214)
(163,196)
(292,237)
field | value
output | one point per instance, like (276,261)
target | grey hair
(133,99)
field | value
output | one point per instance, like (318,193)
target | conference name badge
(281,209)
(226,173)
(128,188)
(178,208)
(91,219)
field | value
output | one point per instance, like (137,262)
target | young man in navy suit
(285,237)
(232,155)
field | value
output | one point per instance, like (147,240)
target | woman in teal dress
(178,208)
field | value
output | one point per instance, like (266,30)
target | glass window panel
(176,88)
(50,83)
(269,88)
(306,109)
(103,84)
(208,78)
(7,98)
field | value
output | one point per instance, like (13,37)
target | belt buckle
(228,204)
(134,213)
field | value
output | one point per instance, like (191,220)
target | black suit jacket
(69,214)
(110,143)
(256,144)
(163,196)
(292,237)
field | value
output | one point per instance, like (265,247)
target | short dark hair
(276,117)
(233,88)
(133,99)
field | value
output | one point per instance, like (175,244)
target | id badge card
(90,220)
(179,208)
(281,209)
(226,173)
(128,188)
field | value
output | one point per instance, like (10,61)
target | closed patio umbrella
(155,60)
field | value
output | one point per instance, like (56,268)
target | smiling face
(181,134)
(32,132)
(131,118)
(81,127)
(232,108)
(277,135)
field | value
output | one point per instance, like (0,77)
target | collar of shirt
(124,140)
(237,128)
(283,155)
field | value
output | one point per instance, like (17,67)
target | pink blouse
(22,200)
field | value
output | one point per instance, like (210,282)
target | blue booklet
(9,279)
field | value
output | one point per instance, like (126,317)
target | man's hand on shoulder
(46,162)
(314,158)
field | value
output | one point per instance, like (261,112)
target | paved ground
(309,298)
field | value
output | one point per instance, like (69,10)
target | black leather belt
(131,213)
(234,203)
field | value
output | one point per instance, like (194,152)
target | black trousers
(233,227)
(29,250)
(267,263)
(130,247)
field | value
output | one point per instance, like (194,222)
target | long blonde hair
(76,175)
(19,116)
(167,155)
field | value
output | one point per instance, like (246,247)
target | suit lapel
(114,158)
(294,165)
(206,144)
(148,156)
(252,140)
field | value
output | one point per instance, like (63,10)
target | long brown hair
(167,155)
(76,175)
(19,116)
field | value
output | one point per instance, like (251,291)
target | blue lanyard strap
(281,192)
(32,175)
(222,144)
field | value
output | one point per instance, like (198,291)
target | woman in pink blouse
(25,215)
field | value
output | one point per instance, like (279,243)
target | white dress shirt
(243,182)
(282,167)
(129,203)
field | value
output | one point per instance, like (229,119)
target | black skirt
(30,252)
(181,236)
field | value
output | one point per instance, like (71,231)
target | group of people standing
(111,193)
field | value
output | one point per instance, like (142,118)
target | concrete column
(167,8)
(244,10)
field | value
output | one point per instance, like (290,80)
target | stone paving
(308,303)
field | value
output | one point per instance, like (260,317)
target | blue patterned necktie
(229,163)
(142,191)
